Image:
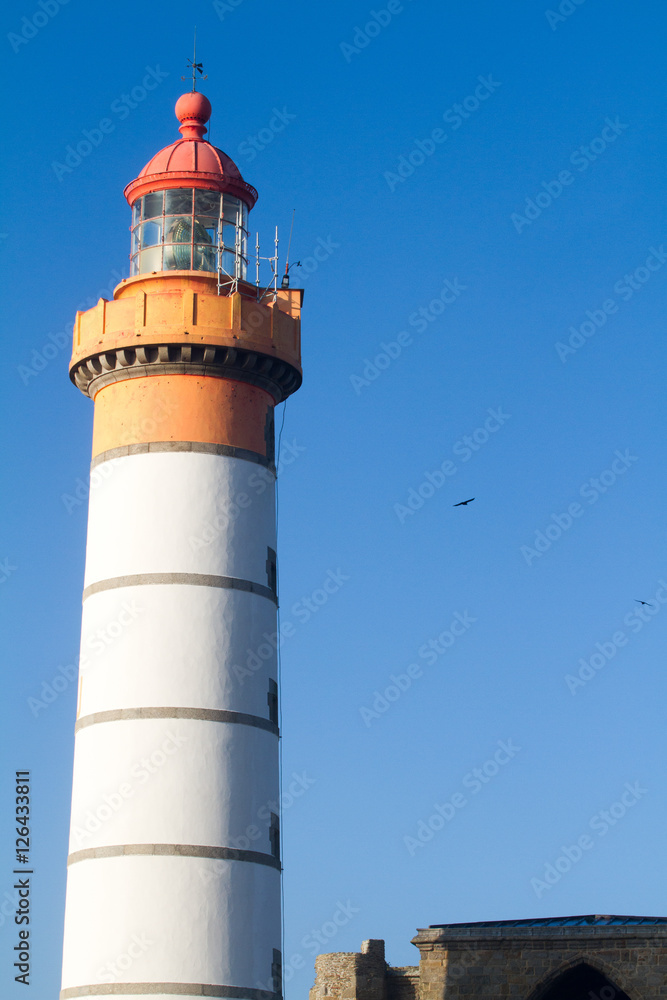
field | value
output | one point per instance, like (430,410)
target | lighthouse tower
(174,868)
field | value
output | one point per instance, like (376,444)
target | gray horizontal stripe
(172,851)
(173,989)
(204,714)
(189,579)
(200,447)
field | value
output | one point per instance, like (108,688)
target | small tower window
(272,698)
(277,971)
(270,435)
(274,835)
(272,569)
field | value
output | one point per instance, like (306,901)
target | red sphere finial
(193,110)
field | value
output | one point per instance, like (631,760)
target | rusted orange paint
(180,408)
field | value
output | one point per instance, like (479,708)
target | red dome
(191,161)
(193,155)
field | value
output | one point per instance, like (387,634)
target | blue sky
(484,317)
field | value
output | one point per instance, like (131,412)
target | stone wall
(519,961)
(352,975)
(403,984)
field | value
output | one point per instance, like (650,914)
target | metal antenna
(195,66)
(275,270)
(285,281)
(289,242)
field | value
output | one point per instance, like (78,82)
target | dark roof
(591,919)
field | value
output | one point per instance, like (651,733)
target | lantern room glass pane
(151,233)
(229,263)
(207,203)
(204,257)
(153,204)
(150,260)
(200,231)
(178,229)
(231,208)
(178,257)
(136,212)
(178,201)
(209,226)
(229,236)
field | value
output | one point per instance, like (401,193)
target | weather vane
(195,66)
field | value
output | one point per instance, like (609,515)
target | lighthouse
(174,865)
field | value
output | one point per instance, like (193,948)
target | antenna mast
(289,243)
(285,282)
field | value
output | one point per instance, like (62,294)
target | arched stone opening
(581,982)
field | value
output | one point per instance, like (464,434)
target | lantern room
(190,204)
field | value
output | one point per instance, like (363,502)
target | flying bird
(647,603)
(462,503)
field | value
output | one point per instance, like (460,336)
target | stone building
(561,958)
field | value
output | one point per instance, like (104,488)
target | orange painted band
(192,408)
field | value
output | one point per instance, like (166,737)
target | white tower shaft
(174,866)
